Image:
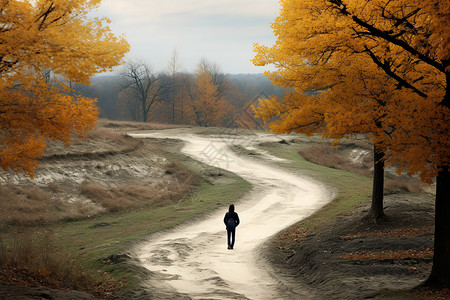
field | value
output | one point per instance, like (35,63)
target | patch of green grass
(243,151)
(352,189)
(90,241)
(225,131)
(395,295)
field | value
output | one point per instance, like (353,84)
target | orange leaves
(295,112)
(49,34)
(392,233)
(55,278)
(390,254)
(20,154)
(38,37)
(429,294)
(28,277)
(373,67)
(32,115)
(206,107)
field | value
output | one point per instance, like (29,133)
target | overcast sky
(222,31)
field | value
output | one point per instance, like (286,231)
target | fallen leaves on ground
(17,275)
(433,294)
(294,234)
(391,233)
(390,254)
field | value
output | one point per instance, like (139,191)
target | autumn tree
(405,45)
(337,99)
(142,89)
(204,105)
(218,78)
(37,37)
(173,72)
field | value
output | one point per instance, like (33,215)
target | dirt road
(193,261)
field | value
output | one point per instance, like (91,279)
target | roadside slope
(193,260)
(340,255)
(68,229)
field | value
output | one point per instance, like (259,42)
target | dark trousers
(231,237)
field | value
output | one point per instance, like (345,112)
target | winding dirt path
(192,261)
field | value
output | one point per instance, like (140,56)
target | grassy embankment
(93,240)
(351,189)
(318,159)
(90,241)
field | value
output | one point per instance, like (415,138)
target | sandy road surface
(192,261)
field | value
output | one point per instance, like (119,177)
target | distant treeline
(176,98)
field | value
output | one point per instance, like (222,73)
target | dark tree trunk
(376,213)
(173,110)
(440,272)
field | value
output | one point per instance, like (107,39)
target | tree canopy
(374,66)
(377,66)
(38,37)
(205,105)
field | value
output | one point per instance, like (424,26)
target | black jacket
(231,215)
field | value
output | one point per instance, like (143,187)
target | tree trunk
(173,110)
(376,212)
(182,111)
(440,272)
(144,115)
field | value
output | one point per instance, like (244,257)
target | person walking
(231,220)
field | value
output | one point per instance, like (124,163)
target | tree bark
(173,110)
(440,272)
(376,213)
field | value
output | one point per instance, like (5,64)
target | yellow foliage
(206,108)
(377,67)
(36,36)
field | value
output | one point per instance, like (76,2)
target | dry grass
(35,260)
(116,199)
(184,182)
(178,184)
(54,187)
(334,157)
(114,137)
(105,134)
(412,185)
(331,156)
(184,178)
(27,205)
(135,125)
(31,205)
(98,142)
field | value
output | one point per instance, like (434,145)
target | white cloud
(220,30)
(140,10)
